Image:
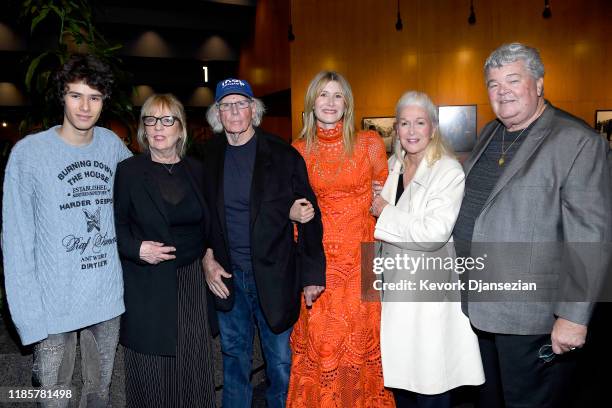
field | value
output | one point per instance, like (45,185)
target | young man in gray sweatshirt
(62,272)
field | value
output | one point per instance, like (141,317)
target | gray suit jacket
(556,191)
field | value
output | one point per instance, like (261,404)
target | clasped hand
(378,203)
(155,252)
(567,336)
(311,293)
(301,211)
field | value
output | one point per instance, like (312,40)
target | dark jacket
(281,266)
(149,324)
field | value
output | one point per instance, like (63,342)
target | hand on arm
(214,273)
(378,205)
(301,211)
(311,257)
(312,293)
(377,187)
(567,336)
(155,252)
(378,161)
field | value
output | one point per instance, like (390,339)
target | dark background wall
(437,51)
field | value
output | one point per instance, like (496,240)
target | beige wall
(439,53)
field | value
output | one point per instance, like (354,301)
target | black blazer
(149,324)
(281,266)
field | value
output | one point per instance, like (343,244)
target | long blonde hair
(309,130)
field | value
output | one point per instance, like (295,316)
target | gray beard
(235,137)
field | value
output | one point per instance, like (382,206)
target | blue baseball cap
(231,86)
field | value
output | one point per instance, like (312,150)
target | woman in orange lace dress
(335,343)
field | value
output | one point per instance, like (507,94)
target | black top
(149,324)
(400,188)
(480,182)
(238,175)
(183,209)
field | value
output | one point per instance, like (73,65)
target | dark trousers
(408,399)
(515,375)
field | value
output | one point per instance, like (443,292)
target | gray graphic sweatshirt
(61,266)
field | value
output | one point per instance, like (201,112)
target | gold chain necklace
(502,157)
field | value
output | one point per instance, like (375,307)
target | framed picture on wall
(383,125)
(603,123)
(458,126)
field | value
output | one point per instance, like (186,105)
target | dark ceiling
(164,44)
(199,16)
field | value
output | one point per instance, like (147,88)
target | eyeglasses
(546,353)
(165,120)
(243,104)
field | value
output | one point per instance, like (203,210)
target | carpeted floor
(16,369)
(591,380)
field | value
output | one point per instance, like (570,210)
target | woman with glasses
(162,222)
(335,343)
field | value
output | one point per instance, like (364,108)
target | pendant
(501,160)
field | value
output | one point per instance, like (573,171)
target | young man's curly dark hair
(85,68)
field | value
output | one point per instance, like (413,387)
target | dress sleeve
(377,156)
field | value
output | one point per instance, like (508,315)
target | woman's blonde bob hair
(309,130)
(437,147)
(159,102)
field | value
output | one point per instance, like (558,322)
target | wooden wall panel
(439,53)
(278,125)
(264,59)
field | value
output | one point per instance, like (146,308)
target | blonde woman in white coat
(428,348)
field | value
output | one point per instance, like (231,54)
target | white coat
(426,347)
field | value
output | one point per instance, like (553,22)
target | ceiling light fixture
(547,13)
(472,17)
(398,23)
(290,35)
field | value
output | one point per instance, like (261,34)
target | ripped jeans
(54,363)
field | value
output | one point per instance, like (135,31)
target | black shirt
(237,178)
(184,211)
(400,188)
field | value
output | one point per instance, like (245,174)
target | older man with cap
(256,269)
(537,185)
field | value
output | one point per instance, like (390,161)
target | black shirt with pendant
(183,209)
(481,181)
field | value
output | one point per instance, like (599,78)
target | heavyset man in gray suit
(537,181)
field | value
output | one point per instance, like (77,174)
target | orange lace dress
(336,343)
